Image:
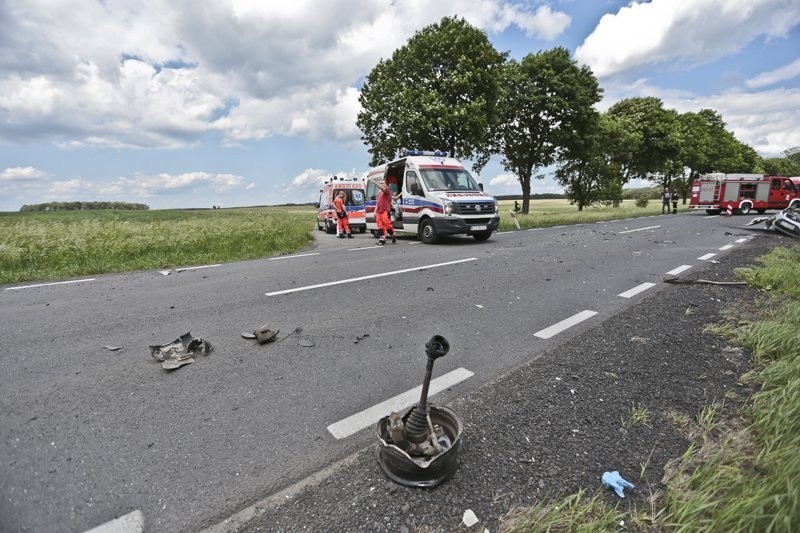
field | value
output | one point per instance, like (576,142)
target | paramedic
(382,209)
(342,225)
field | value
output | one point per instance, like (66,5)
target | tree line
(82,206)
(448,88)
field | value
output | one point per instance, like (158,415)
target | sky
(194,103)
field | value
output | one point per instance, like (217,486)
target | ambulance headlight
(448,207)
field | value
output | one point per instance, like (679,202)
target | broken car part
(421,448)
(786,221)
(180,352)
(264,335)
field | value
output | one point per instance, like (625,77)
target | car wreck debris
(180,352)
(421,447)
(264,335)
(786,221)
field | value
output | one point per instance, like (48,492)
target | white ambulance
(354,204)
(439,197)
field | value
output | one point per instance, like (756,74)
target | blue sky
(194,103)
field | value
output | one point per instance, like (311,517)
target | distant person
(516,206)
(665,197)
(343,224)
(382,209)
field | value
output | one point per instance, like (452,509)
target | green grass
(46,246)
(741,471)
(64,244)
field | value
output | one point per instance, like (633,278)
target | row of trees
(82,206)
(448,88)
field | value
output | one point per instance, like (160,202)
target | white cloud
(647,33)
(163,74)
(22,175)
(504,180)
(784,73)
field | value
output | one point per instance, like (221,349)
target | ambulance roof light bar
(435,153)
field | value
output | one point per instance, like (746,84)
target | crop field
(64,244)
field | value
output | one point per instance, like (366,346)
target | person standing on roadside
(342,224)
(665,197)
(382,209)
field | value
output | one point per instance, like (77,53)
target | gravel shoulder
(554,425)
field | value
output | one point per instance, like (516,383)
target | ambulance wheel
(745,208)
(482,235)
(319,226)
(427,232)
(330,227)
(375,233)
(362,229)
(713,211)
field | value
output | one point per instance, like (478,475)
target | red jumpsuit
(382,215)
(341,213)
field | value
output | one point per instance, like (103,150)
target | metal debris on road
(113,348)
(305,342)
(180,352)
(264,335)
(676,280)
(469,519)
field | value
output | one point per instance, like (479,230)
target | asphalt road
(88,434)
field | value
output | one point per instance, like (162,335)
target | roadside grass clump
(741,469)
(44,246)
(638,416)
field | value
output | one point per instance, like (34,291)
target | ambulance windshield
(448,179)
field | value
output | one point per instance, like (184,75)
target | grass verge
(740,473)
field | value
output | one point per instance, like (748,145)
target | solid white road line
(676,271)
(567,323)
(355,423)
(630,293)
(196,267)
(292,256)
(48,284)
(706,257)
(640,229)
(371,276)
(726,247)
(712,216)
(132,522)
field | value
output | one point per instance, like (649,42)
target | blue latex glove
(614,481)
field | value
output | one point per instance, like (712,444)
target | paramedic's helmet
(391,181)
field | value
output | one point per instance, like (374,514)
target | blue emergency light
(435,153)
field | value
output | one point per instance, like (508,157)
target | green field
(64,244)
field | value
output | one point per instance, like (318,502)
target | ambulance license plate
(477,228)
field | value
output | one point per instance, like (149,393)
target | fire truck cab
(354,204)
(439,197)
(743,193)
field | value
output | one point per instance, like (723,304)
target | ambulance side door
(413,198)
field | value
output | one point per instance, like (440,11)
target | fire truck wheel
(745,208)
(427,232)
(713,211)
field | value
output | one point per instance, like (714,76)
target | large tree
(654,150)
(547,109)
(438,91)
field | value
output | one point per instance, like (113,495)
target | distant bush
(83,206)
(642,201)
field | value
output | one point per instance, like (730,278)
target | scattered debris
(305,342)
(293,332)
(180,352)
(248,335)
(360,338)
(614,481)
(113,348)
(165,272)
(469,519)
(264,334)
(786,221)
(479,306)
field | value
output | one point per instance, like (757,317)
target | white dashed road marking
(740,241)
(726,247)
(682,268)
(706,257)
(567,323)
(48,284)
(639,229)
(132,522)
(372,276)
(355,423)
(630,293)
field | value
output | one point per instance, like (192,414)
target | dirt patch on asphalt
(606,400)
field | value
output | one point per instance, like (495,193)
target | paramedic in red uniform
(382,209)
(341,213)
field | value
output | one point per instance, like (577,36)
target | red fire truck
(743,193)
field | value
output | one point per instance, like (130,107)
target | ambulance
(354,204)
(439,197)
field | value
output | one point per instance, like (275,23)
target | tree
(591,171)
(654,152)
(438,91)
(547,109)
